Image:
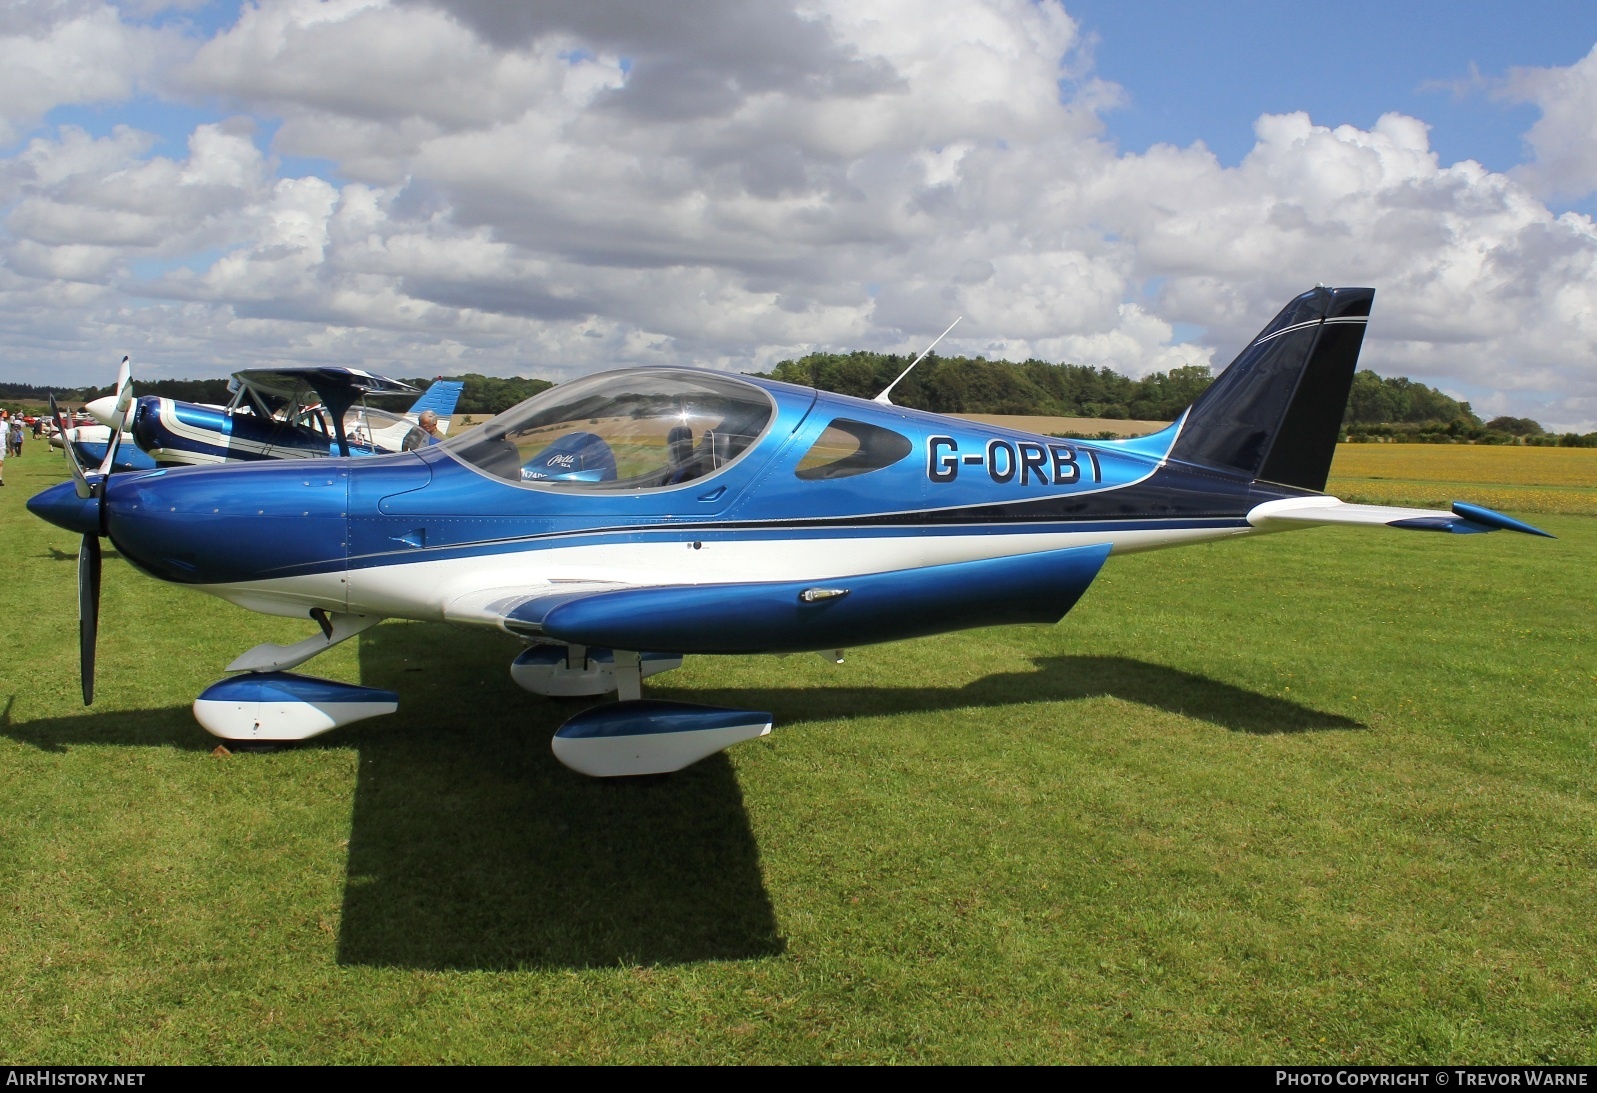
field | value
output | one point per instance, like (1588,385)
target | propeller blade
(88,611)
(124,402)
(124,388)
(80,481)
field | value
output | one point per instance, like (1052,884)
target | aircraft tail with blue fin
(440,398)
(1275,413)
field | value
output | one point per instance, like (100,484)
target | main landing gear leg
(629,676)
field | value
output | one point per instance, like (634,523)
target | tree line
(484,396)
(975,385)
(1379,408)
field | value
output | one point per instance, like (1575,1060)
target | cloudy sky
(427,187)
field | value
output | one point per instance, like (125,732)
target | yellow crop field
(1513,479)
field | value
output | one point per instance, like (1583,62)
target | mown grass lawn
(1322,796)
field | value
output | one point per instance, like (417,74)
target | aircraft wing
(335,384)
(337,387)
(499,606)
(1465,519)
(793,616)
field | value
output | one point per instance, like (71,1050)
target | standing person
(16,434)
(5,424)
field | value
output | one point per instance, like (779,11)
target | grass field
(1434,475)
(1321,796)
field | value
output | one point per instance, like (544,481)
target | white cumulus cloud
(70,52)
(554,188)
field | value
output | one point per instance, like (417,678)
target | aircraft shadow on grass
(472,848)
(1057,679)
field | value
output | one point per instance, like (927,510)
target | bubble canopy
(631,430)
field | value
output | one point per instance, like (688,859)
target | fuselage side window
(852,447)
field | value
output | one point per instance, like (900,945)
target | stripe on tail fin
(1275,413)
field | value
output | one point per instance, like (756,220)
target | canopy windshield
(621,431)
(381,431)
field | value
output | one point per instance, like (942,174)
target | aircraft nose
(236,522)
(61,506)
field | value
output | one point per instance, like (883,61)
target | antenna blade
(882,398)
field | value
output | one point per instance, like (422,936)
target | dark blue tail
(1275,413)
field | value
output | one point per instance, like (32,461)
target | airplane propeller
(94,486)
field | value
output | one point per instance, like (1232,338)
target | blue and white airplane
(284,413)
(90,443)
(620,522)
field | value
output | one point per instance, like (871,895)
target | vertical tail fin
(1275,413)
(440,398)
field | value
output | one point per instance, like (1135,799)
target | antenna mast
(882,398)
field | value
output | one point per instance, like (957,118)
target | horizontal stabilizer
(1465,519)
(1492,520)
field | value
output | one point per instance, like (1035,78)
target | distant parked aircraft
(282,413)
